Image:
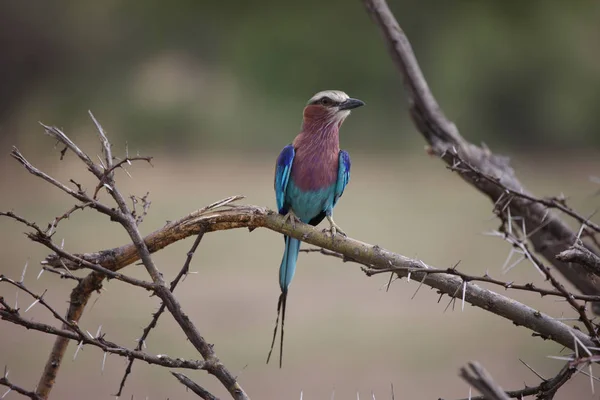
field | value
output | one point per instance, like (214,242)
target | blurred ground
(343,332)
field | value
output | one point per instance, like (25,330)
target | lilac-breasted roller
(310,177)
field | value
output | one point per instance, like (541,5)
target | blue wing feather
(343,175)
(282,175)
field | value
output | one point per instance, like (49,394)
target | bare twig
(544,391)
(184,271)
(40,299)
(12,387)
(194,387)
(80,295)
(110,171)
(527,287)
(13,315)
(128,221)
(479,378)
(581,255)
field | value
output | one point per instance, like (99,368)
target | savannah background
(214,90)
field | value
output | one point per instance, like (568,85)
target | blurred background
(214,90)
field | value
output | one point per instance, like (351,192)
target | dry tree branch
(13,315)
(550,235)
(372,256)
(124,216)
(527,287)
(184,271)
(194,387)
(580,254)
(80,295)
(11,386)
(216,217)
(479,378)
(544,391)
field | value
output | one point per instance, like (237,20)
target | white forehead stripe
(336,95)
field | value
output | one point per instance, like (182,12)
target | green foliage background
(234,75)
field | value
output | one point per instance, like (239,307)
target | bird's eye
(326,101)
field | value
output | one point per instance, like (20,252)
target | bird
(311,174)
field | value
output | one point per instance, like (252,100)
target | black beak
(350,104)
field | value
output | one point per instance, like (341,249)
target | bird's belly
(308,204)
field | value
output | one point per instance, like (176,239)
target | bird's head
(328,109)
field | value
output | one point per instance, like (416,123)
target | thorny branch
(527,287)
(580,254)
(487,172)
(194,387)
(142,340)
(479,378)
(544,391)
(548,234)
(12,315)
(374,257)
(11,386)
(492,176)
(124,216)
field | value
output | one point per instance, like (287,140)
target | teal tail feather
(288,263)
(286,274)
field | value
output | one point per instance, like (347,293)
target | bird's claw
(334,229)
(291,218)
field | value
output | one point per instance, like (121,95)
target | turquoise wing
(343,175)
(282,176)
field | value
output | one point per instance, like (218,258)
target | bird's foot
(334,228)
(291,218)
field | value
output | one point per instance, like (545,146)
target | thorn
(580,343)
(40,274)
(561,358)
(17,300)
(301,394)
(532,370)
(389,282)
(98,331)
(419,287)
(78,348)
(519,260)
(6,393)
(62,244)
(101,162)
(32,304)
(463,296)
(24,270)
(510,254)
(588,375)
(408,276)
(452,298)
(470,389)
(103,362)
(127,172)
